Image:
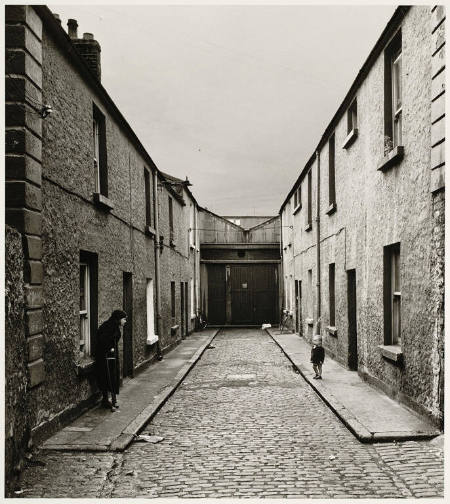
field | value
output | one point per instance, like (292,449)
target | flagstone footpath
(244,423)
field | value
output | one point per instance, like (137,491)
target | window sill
(297,208)
(393,158)
(174,329)
(309,321)
(103,202)
(85,367)
(150,231)
(331,209)
(332,330)
(308,227)
(392,352)
(351,137)
(151,340)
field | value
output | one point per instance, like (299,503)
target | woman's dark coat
(108,336)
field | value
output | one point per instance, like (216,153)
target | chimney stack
(72,26)
(88,47)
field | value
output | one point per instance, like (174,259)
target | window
(393,94)
(392,295)
(331,292)
(172,242)
(172,299)
(85,337)
(192,226)
(297,198)
(151,332)
(352,116)
(88,302)
(148,198)
(309,223)
(99,152)
(331,173)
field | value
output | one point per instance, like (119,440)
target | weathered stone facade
(382,199)
(63,221)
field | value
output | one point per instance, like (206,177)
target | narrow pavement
(244,423)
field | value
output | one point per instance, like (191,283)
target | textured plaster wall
(72,222)
(376,209)
(16,374)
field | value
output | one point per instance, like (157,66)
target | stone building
(240,269)
(92,225)
(363,225)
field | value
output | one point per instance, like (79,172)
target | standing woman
(107,357)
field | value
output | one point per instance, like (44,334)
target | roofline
(377,49)
(202,209)
(65,42)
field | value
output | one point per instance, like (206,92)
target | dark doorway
(298,308)
(352,328)
(216,294)
(186,309)
(128,327)
(182,309)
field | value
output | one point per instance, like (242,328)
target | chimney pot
(88,36)
(72,25)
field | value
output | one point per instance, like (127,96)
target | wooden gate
(250,292)
(216,294)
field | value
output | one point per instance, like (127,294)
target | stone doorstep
(121,442)
(347,418)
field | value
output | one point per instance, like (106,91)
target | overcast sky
(234,97)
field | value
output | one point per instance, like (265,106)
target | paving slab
(140,398)
(370,414)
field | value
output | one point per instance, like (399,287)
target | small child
(317,356)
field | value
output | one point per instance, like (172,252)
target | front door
(352,329)
(128,327)
(182,309)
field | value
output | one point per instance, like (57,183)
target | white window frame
(150,301)
(396,298)
(85,315)
(396,76)
(191,226)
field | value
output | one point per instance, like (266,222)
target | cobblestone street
(244,424)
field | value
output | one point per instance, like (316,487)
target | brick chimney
(88,48)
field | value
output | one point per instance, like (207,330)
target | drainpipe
(157,265)
(318,301)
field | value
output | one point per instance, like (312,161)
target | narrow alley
(243,423)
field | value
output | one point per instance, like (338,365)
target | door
(297,321)
(182,309)
(352,329)
(186,309)
(127,335)
(264,292)
(254,294)
(241,296)
(216,294)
